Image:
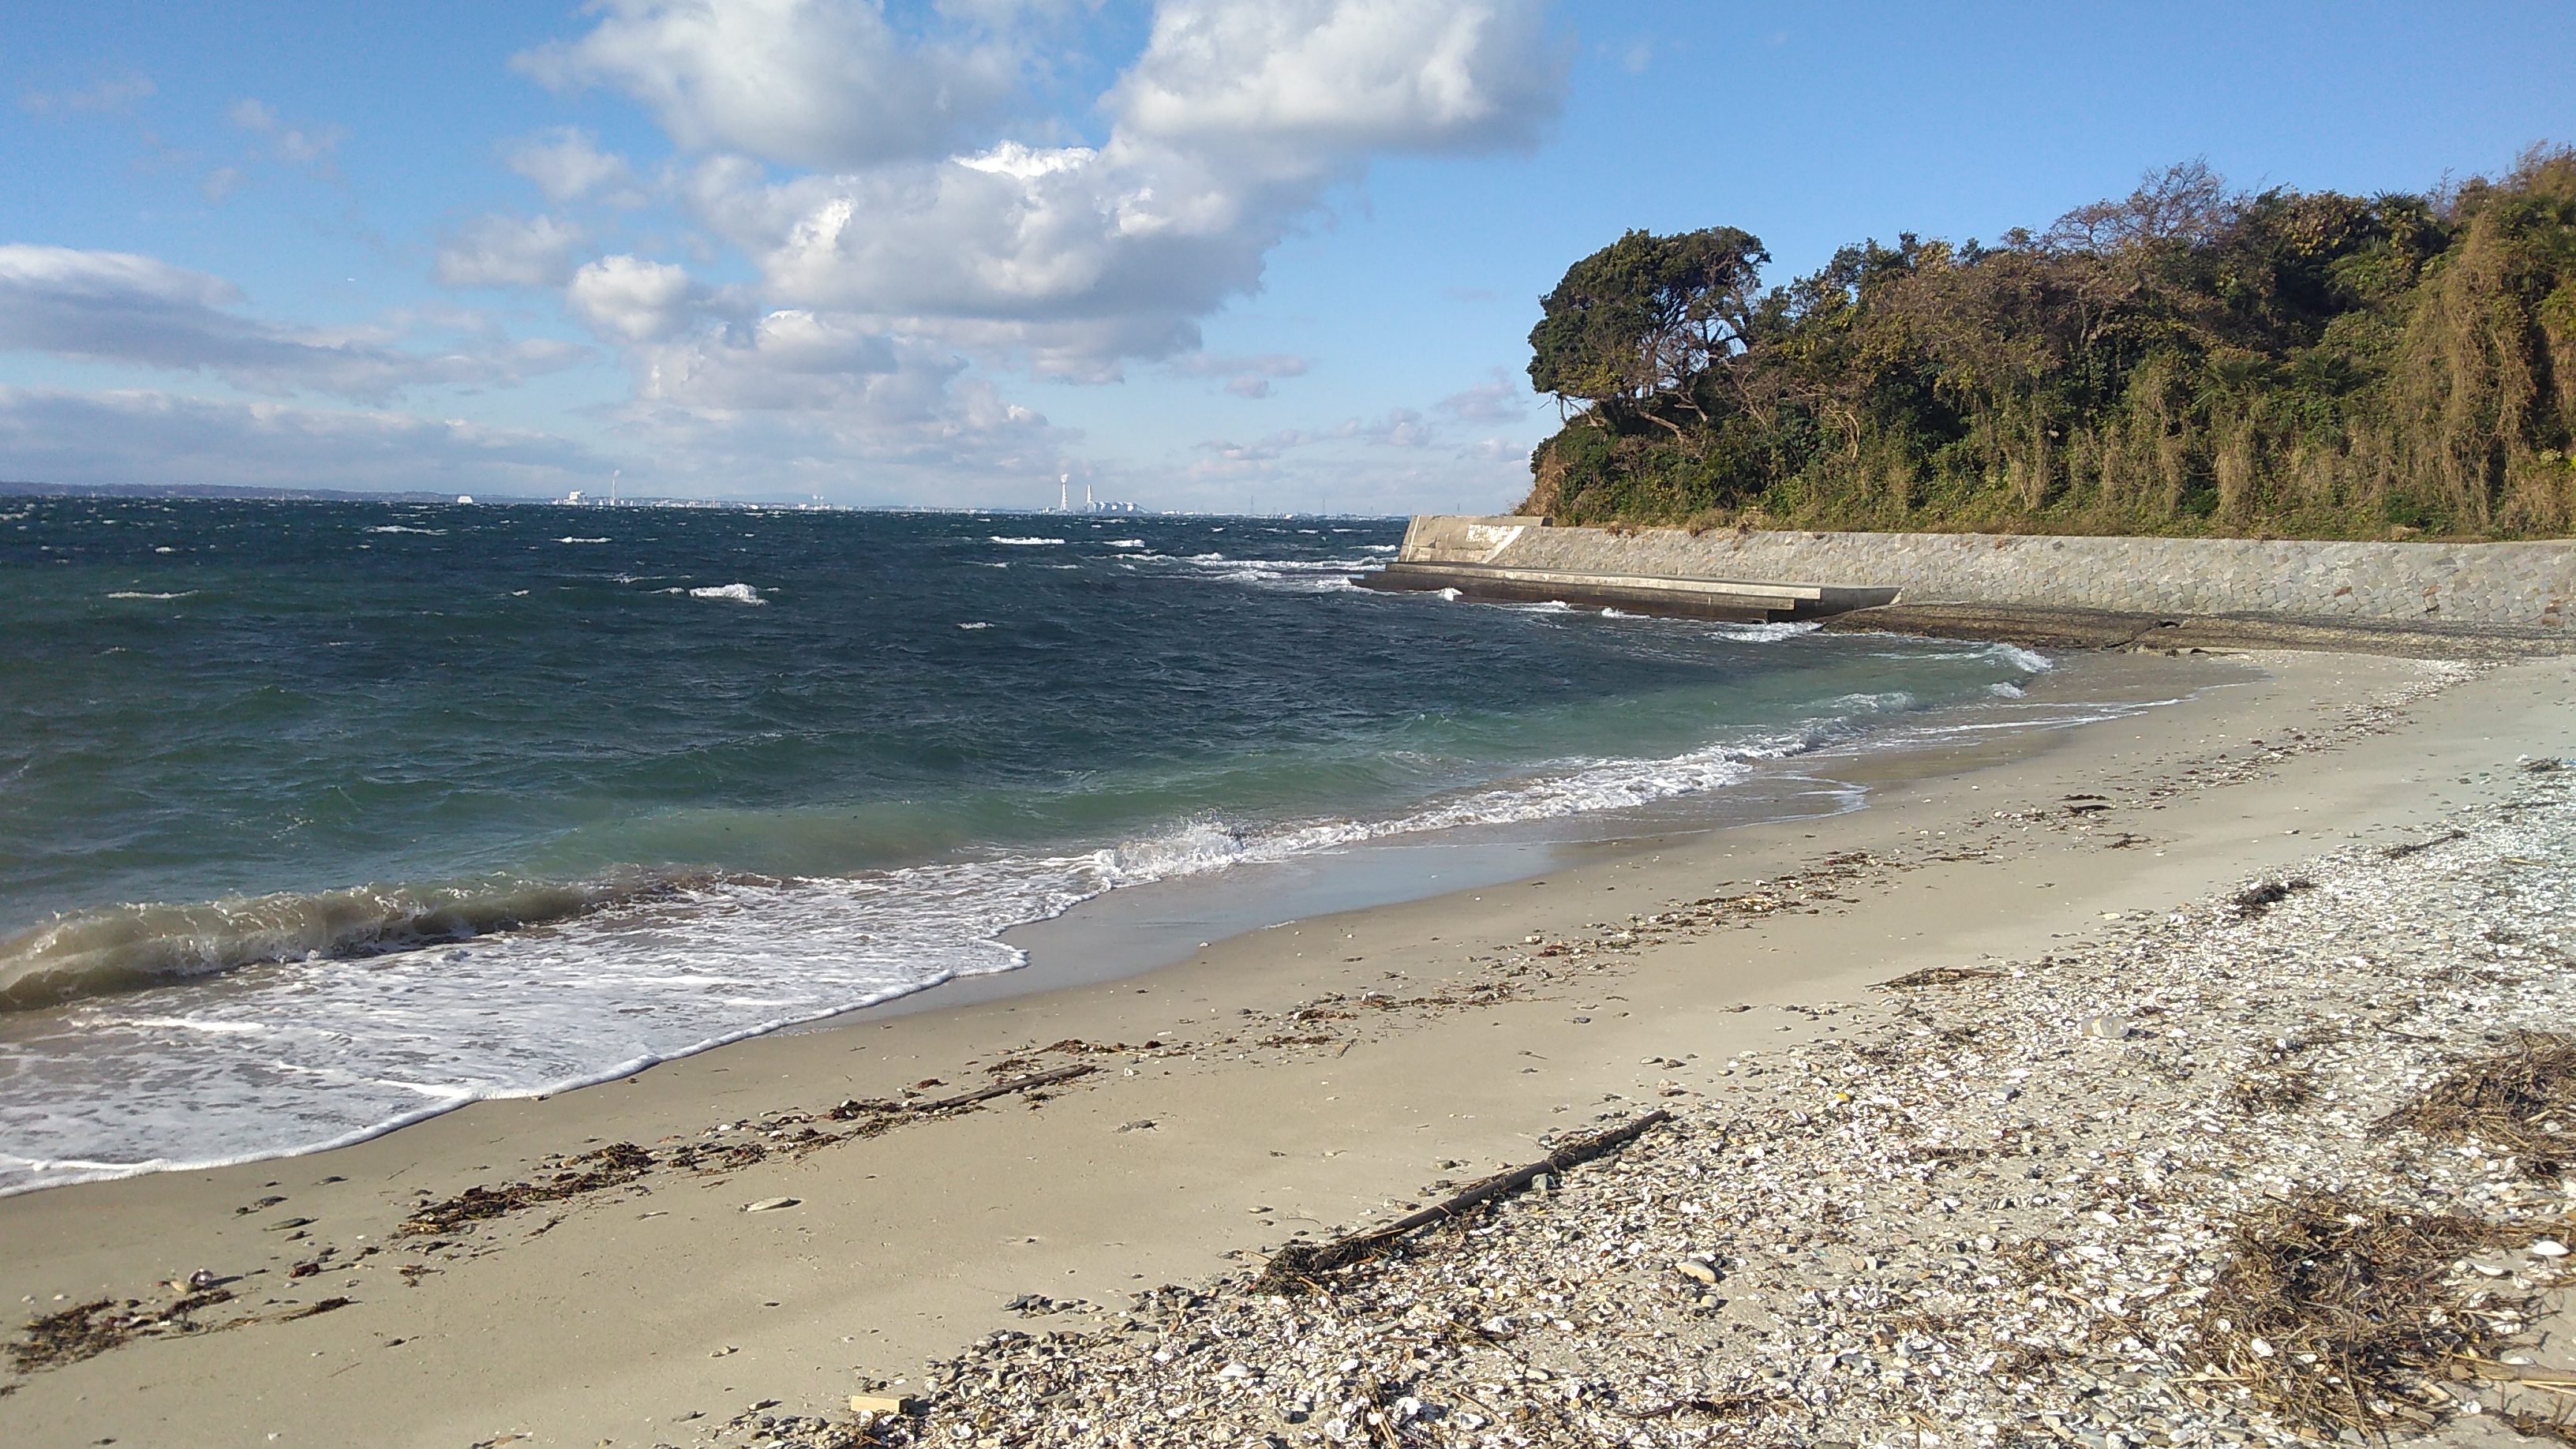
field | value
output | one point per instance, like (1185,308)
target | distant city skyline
(987,253)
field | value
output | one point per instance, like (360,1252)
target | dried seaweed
(2255,899)
(2273,1088)
(611,1166)
(1936,976)
(2329,1308)
(89,1329)
(2522,1099)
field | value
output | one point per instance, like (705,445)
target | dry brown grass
(2330,1310)
(2522,1100)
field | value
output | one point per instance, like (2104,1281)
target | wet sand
(1252,1091)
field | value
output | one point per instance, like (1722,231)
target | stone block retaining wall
(2526,584)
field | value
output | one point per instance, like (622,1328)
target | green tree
(1637,324)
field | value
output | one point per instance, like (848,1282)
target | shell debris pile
(2025,1204)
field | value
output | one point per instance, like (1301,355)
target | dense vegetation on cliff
(2188,360)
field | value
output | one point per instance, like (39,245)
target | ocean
(319,818)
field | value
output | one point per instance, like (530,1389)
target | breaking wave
(130,947)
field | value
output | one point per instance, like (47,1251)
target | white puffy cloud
(629,299)
(155,437)
(509,251)
(1225,134)
(1300,84)
(827,83)
(567,164)
(905,248)
(121,307)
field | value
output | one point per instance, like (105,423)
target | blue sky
(1200,254)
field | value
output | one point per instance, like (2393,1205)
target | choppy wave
(138,594)
(1026,542)
(581,540)
(730,593)
(406,1002)
(441,533)
(130,947)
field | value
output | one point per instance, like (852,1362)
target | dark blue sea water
(315,818)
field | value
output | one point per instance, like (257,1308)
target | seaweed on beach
(2329,1308)
(2521,1100)
(1937,976)
(615,1165)
(2254,900)
(87,1330)
(2277,1087)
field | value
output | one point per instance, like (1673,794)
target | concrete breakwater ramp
(1472,556)
(2072,591)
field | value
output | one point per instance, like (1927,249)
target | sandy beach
(757,1233)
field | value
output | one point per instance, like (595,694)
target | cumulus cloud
(824,83)
(509,251)
(121,307)
(904,248)
(1225,134)
(630,299)
(567,164)
(156,437)
(1300,84)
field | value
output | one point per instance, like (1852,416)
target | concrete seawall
(2518,585)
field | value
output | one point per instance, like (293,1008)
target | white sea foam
(325,1051)
(978,624)
(1296,576)
(1766,633)
(135,594)
(730,593)
(581,540)
(1026,542)
(440,532)
(1125,543)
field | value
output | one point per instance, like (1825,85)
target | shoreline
(1114,933)
(658,1296)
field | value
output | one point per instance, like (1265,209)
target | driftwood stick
(965,1099)
(1299,1261)
(1004,1089)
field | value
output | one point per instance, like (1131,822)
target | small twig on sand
(965,1099)
(1300,1262)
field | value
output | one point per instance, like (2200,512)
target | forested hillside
(2188,360)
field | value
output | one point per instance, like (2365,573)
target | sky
(1229,255)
